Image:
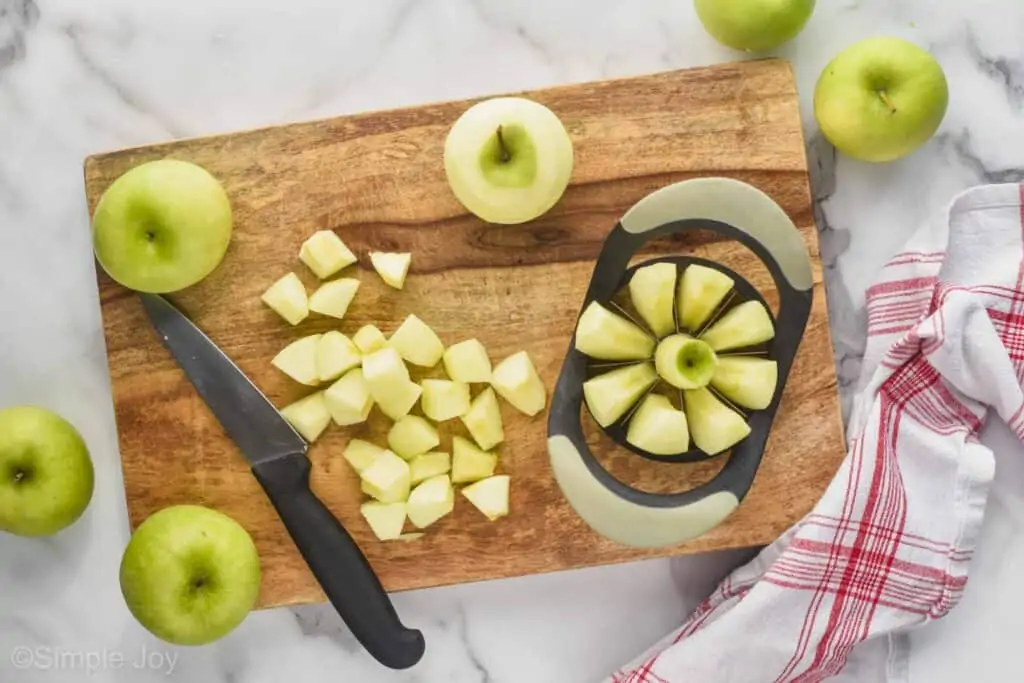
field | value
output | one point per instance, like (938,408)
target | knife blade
(277,455)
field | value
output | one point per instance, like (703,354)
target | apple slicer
(614,509)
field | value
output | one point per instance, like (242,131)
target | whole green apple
(190,575)
(754,25)
(881,99)
(162,226)
(46,474)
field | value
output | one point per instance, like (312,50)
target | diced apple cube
(443,399)
(387,479)
(483,420)
(349,399)
(401,401)
(325,254)
(360,454)
(411,436)
(309,416)
(333,298)
(388,380)
(431,500)
(429,465)
(489,496)
(469,463)
(298,360)
(417,343)
(516,380)
(287,297)
(369,339)
(335,355)
(391,267)
(385,519)
(467,362)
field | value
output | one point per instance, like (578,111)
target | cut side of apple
(658,427)
(469,463)
(349,399)
(417,343)
(387,379)
(385,519)
(685,362)
(335,355)
(387,479)
(325,254)
(701,291)
(483,420)
(605,335)
(287,297)
(401,400)
(652,289)
(610,395)
(298,360)
(411,436)
(431,500)
(444,399)
(360,454)
(369,339)
(467,362)
(333,298)
(516,380)
(308,415)
(744,325)
(714,426)
(391,267)
(429,465)
(747,381)
(490,496)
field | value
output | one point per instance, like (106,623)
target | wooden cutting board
(377,180)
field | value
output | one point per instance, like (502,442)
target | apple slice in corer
(389,384)
(516,380)
(431,500)
(325,254)
(605,335)
(701,291)
(744,325)
(714,426)
(392,268)
(333,298)
(611,394)
(298,360)
(444,399)
(349,399)
(483,420)
(417,343)
(412,435)
(335,355)
(489,496)
(385,519)
(652,291)
(387,479)
(469,463)
(685,362)
(746,381)
(658,427)
(287,297)
(308,415)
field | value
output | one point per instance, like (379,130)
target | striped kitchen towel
(888,547)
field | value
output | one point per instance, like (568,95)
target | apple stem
(505,156)
(887,101)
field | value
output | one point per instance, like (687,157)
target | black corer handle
(338,564)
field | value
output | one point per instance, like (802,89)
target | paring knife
(277,456)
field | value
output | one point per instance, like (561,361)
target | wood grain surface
(377,180)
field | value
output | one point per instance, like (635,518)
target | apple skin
(46,473)
(881,99)
(754,25)
(162,226)
(190,574)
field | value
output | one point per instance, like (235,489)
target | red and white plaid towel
(888,547)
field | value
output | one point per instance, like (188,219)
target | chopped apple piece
(746,381)
(360,454)
(658,427)
(287,297)
(325,254)
(429,465)
(392,268)
(444,399)
(610,395)
(385,519)
(469,463)
(605,335)
(467,362)
(298,360)
(744,325)
(388,380)
(369,339)
(335,355)
(333,298)
(308,415)
(411,436)
(516,380)
(489,496)
(714,426)
(685,362)
(483,420)
(652,290)
(701,290)
(349,399)
(431,500)
(387,479)
(417,343)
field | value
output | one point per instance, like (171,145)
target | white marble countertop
(79,77)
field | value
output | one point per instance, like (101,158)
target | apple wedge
(714,426)
(335,355)
(685,362)
(325,254)
(483,420)
(469,463)
(489,496)
(746,381)
(369,339)
(467,362)
(391,267)
(387,479)
(387,379)
(604,335)
(298,360)
(516,380)
(287,297)
(431,500)
(333,298)
(349,399)
(652,289)
(428,465)
(360,454)
(744,325)
(385,519)
(658,427)
(417,343)
(412,435)
(610,395)
(308,415)
(444,399)
(701,291)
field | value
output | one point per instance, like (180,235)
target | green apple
(162,226)
(754,25)
(46,473)
(880,99)
(190,574)
(508,159)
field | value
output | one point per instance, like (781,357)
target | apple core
(685,362)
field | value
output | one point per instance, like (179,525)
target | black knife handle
(338,564)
